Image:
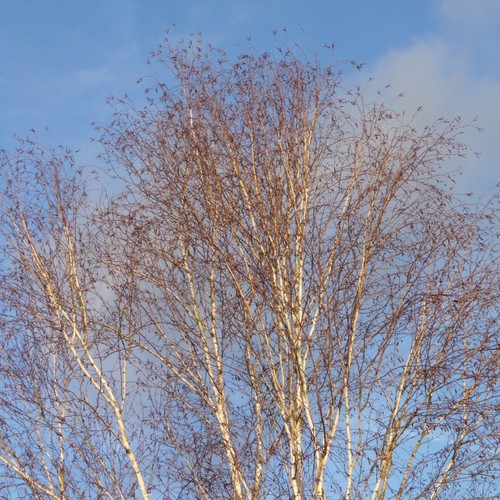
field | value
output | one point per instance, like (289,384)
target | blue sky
(60,59)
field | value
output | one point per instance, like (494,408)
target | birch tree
(282,298)
(64,354)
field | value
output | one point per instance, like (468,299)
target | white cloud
(440,74)
(471,16)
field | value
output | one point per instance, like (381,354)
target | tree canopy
(277,296)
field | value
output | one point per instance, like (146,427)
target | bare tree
(63,361)
(285,299)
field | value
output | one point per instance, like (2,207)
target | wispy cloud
(441,73)
(472,17)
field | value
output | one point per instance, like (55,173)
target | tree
(280,299)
